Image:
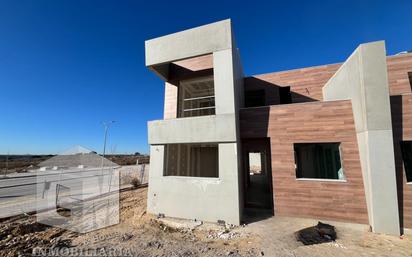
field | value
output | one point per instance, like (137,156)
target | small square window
(406,147)
(318,161)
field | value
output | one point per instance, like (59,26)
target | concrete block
(189,43)
(201,129)
(363,80)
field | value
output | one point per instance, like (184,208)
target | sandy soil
(140,234)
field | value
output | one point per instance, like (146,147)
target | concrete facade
(351,104)
(362,78)
(209,199)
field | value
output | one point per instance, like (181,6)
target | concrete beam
(189,43)
(201,129)
(363,80)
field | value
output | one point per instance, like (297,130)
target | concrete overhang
(162,51)
(202,129)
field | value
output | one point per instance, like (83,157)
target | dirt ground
(140,234)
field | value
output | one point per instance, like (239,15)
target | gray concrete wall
(189,43)
(238,77)
(208,199)
(202,129)
(363,80)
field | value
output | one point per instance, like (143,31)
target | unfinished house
(330,142)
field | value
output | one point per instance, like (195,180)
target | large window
(406,147)
(191,160)
(318,161)
(196,97)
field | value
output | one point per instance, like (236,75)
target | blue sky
(66,66)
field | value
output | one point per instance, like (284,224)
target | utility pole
(7,164)
(106,129)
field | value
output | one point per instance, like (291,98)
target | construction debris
(321,233)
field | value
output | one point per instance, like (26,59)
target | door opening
(258,174)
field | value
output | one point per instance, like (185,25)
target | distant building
(76,157)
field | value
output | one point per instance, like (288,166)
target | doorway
(258,174)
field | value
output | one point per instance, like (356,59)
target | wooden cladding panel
(170,105)
(310,122)
(198,63)
(398,68)
(305,84)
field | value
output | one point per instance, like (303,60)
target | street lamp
(106,128)
(106,125)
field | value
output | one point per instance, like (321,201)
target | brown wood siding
(310,122)
(398,68)
(170,105)
(184,69)
(305,84)
(197,63)
(402,131)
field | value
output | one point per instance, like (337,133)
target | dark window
(191,160)
(255,98)
(318,161)
(284,95)
(410,79)
(406,147)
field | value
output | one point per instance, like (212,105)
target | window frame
(344,180)
(188,160)
(180,101)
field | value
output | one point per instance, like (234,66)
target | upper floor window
(196,97)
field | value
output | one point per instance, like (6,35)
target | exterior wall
(398,68)
(201,129)
(305,84)
(189,43)
(170,103)
(363,80)
(401,106)
(197,63)
(310,122)
(362,126)
(314,78)
(208,199)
